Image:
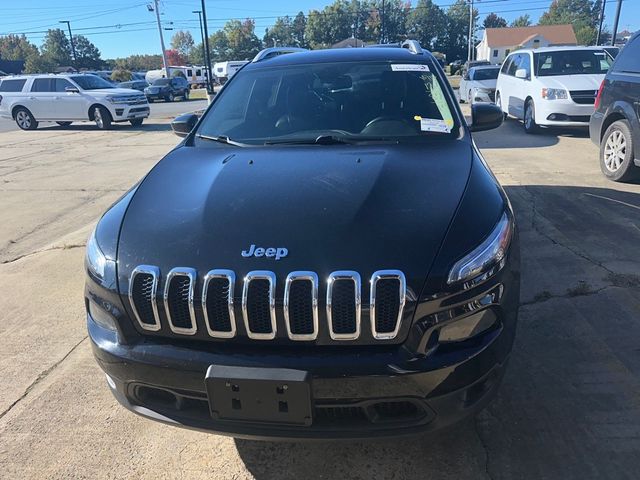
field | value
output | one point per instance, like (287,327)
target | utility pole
(615,23)
(208,52)
(470,53)
(164,52)
(204,49)
(382,32)
(600,21)
(73,47)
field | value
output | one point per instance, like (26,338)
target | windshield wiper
(323,140)
(221,139)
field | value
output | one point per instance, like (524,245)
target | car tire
(529,121)
(25,120)
(499,104)
(150,100)
(136,122)
(64,124)
(102,117)
(470,98)
(616,153)
(170,98)
(186,95)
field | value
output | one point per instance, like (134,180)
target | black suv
(326,254)
(167,89)
(615,124)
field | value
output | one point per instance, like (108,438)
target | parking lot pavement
(569,406)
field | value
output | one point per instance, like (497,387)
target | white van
(553,86)
(195,75)
(67,98)
(225,70)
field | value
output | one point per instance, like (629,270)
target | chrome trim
(402,292)
(260,275)
(230,276)
(155,272)
(413,46)
(275,51)
(192,275)
(302,276)
(344,275)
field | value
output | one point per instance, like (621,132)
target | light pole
(604,4)
(155,8)
(470,53)
(73,48)
(382,40)
(615,23)
(208,52)
(204,50)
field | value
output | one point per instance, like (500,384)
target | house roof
(510,37)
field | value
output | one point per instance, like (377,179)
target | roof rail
(275,51)
(412,45)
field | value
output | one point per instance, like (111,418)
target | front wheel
(470,98)
(616,153)
(150,100)
(186,95)
(530,125)
(25,120)
(499,105)
(170,98)
(136,122)
(102,117)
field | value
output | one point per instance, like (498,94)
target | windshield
(91,82)
(161,81)
(350,101)
(571,62)
(486,74)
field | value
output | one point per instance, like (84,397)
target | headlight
(484,90)
(488,254)
(117,99)
(554,94)
(98,265)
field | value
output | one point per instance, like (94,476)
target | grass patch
(625,280)
(583,288)
(542,296)
(198,94)
(454,80)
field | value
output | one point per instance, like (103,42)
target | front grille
(215,308)
(388,292)
(138,109)
(584,97)
(178,300)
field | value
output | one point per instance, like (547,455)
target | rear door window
(12,85)
(629,58)
(43,85)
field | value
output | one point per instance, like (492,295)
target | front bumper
(562,113)
(125,112)
(157,95)
(595,127)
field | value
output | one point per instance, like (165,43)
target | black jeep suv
(615,123)
(326,254)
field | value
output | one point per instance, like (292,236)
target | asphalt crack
(41,377)
(485,448)
(545,296)
(61,247)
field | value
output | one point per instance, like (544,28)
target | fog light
(101,316)
(468,327)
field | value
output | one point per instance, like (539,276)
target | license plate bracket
(259,395)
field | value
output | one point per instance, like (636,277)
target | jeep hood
(333,208)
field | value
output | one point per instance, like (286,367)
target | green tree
(16,47)
(120,75)
(196,54)
(454,42)
(183,42)
(522,21)
(87,54)
(219,47)
(242,40)
(582,14)
(56,49)
(137,62)
(494,21)
(281,34)
(298,26)
(426,23)
(333,24)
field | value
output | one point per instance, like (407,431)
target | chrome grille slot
(584,97)
(143,289)
(258,305)
(301,305)
(387,300)
(217,303)
(178,300)
(344,305)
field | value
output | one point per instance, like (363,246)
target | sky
(124,27)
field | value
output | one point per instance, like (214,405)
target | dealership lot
(569,406)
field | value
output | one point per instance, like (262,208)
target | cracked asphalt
(569,406)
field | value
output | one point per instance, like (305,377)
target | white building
(497,43)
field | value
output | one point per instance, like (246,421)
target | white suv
(66,98)
(554,86)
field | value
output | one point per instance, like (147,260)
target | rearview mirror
(521,73)
(183,124)
(485,116)
(71,90)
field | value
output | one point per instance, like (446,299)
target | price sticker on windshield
(409,67)
(434,125)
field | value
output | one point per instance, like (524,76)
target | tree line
(436,28)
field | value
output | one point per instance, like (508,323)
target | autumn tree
(182,41)
(582,14)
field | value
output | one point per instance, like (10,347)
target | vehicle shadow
(116,127)
(511,135)
(568,405)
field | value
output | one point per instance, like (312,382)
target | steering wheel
(386,118)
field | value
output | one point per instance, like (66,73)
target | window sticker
(434,125)
(409,67)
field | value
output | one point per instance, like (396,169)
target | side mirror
(71,90)
(183,124)
(521,73)
(485,116)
